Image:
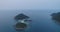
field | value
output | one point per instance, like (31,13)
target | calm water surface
(41,20)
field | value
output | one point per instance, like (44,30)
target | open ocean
(41,20)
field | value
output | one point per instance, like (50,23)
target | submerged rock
(21,17)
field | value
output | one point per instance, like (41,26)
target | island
(21,17)
(21,21)
(56,16)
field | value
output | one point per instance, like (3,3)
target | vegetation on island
(21,25)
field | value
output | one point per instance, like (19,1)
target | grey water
(41,20)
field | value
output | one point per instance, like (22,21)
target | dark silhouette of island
(21,17)
(56,18)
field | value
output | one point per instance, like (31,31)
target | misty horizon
(29,4)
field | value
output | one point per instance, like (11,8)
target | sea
(41,21)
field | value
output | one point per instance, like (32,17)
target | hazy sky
(29,4)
